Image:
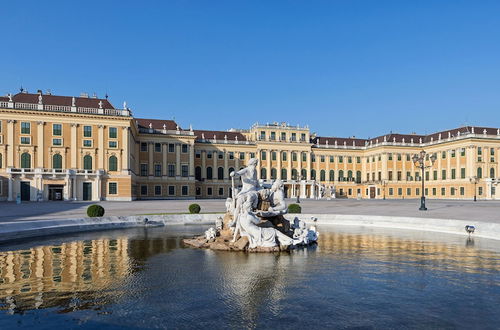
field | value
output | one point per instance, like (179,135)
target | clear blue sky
(345,68)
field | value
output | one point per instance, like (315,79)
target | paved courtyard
(446,209)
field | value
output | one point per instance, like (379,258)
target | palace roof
(219,135)
(157,124)
(49,99)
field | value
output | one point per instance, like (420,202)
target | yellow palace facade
(83,148)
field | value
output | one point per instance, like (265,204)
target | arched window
(358,176)
(294,174)
(0,160)
(87,162)
(341,175)
(113,163)
(303,174)
(197,173)
(25,160)
(492,173)
(332,175)
(209,173)
(231,170)
(283,174)
(220,173)
(313,174)
(263,173)
(322,175)
(57,161)
(479,172)
(274,174)
(349,175)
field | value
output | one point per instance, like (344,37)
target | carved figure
(210,234)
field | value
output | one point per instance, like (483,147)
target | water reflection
(144,274)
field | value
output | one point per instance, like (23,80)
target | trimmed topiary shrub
(294,208)
(194,208)
(94,211)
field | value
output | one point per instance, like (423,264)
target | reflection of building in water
(393,249)
(43,276)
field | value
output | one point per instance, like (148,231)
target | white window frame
(109,192)
(58,145)
(25,137)
(62,133)
(109,144)
(91,143)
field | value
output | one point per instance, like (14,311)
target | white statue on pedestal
(258,236)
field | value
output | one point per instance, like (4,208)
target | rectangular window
(231,155)
(185,190)
(283,156)
(452,191)
(462,152)
(435,175)
(426,175)
(113,188)
(144,169)
(87,131)
(113,144)
(209,155)
(184,170)
(426,192)
(294,156)
(453,154)
(332,159)
(171,147)
(341,159)
(209,191)
(443,155)
(157,169)
(252,155)
(443,174)
(262,135)
(283,136)
(57,129)
(408,191)
(157,190)
(171,170)
(184,148)
(407,157)
(25,140)
(144,190)
(322,158)
(144,146)
(273,136)
(462,173)
(171,190)
(399,156)
(462,191)
(358,160)
(391,191)
(408,176)
(453,174)
(242,156)
(434,191)
(390,156)
(349,160)
(443,191)
(479,150)
(57,142)
(302,137)
(480,190)
(399,176)
(113,132)
(379,176)
(87,143)
(25,128)
(157,147)
(400,191)
(390,175)
(197,154)
(221,191)
(263,155)
(273,155)
(417,191)
(221,155)
(294,137)
(304,157)
(313,158)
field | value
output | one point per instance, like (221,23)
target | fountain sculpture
(254,219)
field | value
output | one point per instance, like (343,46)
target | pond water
(355,278)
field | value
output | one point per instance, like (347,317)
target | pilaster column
(40,142)
(100,153)
(278,167)
(308,174)
(191,160)
(215,154)
(259,163)
(177,159)
(384,166)
(448,165)
(164,165)
(289,174)
(74,145)
(299,164)
(203,164)
(269,164)
(469,160)
(151,164)
(226,167)
(318,161)
(10,143)
(125,148)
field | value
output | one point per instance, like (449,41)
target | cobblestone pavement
(445,209)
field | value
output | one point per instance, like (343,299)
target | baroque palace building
(83,148)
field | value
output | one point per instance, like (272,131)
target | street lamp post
(299,177)
(419,162)
(475,181)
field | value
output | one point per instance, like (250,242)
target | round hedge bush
(294,208)
(194,208)
(94,211)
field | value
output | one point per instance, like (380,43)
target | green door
(25,191)
(87,191)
